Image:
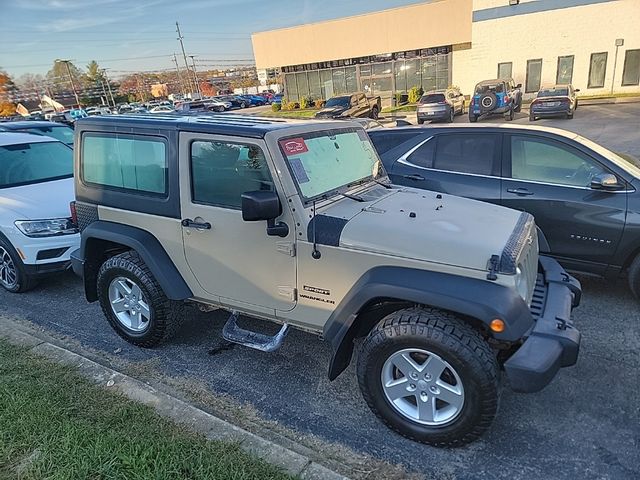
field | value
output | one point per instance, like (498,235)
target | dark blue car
(559,100)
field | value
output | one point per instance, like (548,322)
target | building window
(505,70)
(631,71)
(564,74)
(597,70)
(534,74)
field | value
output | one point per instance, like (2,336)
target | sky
(137,35)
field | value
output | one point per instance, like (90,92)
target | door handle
(523,192)
(187,222)
(414,176)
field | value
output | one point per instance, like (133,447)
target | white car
(161,109)
(37,233)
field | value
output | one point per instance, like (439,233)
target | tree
(7,88)
(58,76)
(207,89)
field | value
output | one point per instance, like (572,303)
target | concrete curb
(177,410)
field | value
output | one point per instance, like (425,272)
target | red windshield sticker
(294,146)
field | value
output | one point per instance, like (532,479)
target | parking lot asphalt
(586,424)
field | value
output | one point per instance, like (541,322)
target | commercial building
(594,44)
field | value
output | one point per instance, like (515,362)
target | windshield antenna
(315,254)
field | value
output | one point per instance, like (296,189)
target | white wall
(577,31)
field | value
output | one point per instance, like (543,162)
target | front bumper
(553,342)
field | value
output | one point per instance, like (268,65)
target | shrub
(319,103)
(305,102)
(276,107)
(398,98)
(415,93)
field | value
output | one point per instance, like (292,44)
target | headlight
(521,283)
(46,228)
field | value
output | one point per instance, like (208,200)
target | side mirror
(605,181)
(519,85)
(264,205)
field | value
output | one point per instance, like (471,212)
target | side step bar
(259,341)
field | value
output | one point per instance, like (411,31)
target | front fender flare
(482,300)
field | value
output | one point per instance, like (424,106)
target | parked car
(440,105)
(583,196)
(256,100)
(234,100)
(277,98)
(162,109)
(495,96)
(98,111)
(209,105)
(76,113)
(122,109)
(267,95)
(554,101)
(444,291)
(60,132)
(355,105)
(37,233)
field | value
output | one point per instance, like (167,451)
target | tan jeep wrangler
(298,224)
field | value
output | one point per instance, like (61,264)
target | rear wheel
(13,277)
(569,115)
(429,376)
(134,303)
(220,109)
(519,107)
(509,115)
(532,117)
(473,118)
(420,121)
(243,105)
(374,113)
(451,115)
(633,276)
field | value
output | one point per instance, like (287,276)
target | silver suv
(298,224)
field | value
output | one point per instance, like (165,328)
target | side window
(130,162)
(548,161)
(466,153)
(222,172)
(423,155)
(385,141)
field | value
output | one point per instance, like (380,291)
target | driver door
(232,259)
(551,179)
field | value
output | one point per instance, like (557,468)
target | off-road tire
(509,115)
(166,316)
(24,281)
(519,107)
(633,277)
(453,340)
(420,121)
(473,118)
(374,113)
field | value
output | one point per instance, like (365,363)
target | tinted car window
(432,98)
(30,163)
(553,92)
(222,172)
(548,161)
(385,141)
(423,155)
(467,153)
(125,161)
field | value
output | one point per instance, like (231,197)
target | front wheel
(633,276)
(429,376)
(451,115)
(473,118)
(374,113)
(134,303)
(13,276)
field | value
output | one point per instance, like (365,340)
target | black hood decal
(328,229)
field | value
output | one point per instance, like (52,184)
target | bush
(276,107)
(305,102)
(415,93)
(289,105)
(319,103)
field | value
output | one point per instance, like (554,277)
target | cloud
(68,24)
(59,5)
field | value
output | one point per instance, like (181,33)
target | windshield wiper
(385,185)
(353,197)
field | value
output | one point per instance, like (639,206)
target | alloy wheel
(8,271)
(422,387)
(129,304)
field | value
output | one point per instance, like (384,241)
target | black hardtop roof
(223,123)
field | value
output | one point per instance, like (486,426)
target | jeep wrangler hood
(415,224)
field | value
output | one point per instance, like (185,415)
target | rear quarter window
(385,141)
(126,162)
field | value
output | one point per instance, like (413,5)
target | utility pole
(73,85)
(195,75)
(175,60)
(104,72)
(184,55)
(619,43)
(104,92)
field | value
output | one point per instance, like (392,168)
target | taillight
(74,213)
(507,99)
(471,102)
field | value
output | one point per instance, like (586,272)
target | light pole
(195,75)
(619,43)
(73,85)
(104,73)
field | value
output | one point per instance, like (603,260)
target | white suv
(36,187)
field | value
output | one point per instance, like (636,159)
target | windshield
(432,98)
(64,134)
(553,92)
(324,162)
(338,102)
(29,163)
(623,160)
